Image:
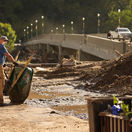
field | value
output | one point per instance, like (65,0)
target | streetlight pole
(72,27)
(27,33)
(31,30)
(42,24)
(36,28)
(57,29)
(51,30)
(98,16)
(83,26)
(51,33)
(63,28)
(24,34)
(119,21)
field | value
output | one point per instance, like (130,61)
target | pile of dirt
(59,72)
(78,69)
(115,76)
(69,68)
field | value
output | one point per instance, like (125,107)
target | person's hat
(4,38)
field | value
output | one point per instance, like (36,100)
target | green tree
(125,17)
(20,13)
(6,30)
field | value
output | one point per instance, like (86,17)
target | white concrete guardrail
(94,45)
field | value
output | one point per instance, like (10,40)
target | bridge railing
(94,45)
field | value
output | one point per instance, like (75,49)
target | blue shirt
(3,50)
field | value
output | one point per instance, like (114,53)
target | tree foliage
(125,16)
(21,13)
(6,30)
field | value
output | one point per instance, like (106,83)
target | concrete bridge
(77,44)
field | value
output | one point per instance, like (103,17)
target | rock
(53,112)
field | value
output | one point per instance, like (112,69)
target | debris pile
(64,69)
(68,62)
(70,68)
(115,76)
(40,56)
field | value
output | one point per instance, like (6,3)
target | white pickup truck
(120,33)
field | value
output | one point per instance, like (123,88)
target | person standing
(3,54)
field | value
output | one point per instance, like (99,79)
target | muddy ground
(64,94)
(65,88)
(53,105)
(57,100)
(24,118)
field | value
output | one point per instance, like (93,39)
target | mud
(60,95)
(24,118)
(66,88)
(66,94)
(115,76)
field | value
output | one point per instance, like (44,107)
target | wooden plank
(19,75)
(110,115)
(119,129)
(114,124)
(126,125)
(105,98)
(95,106)
(123,126)
(16,58)
(104,124)
(118,53)
(108,123)
(111,126)
(91,113)
(102,120)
